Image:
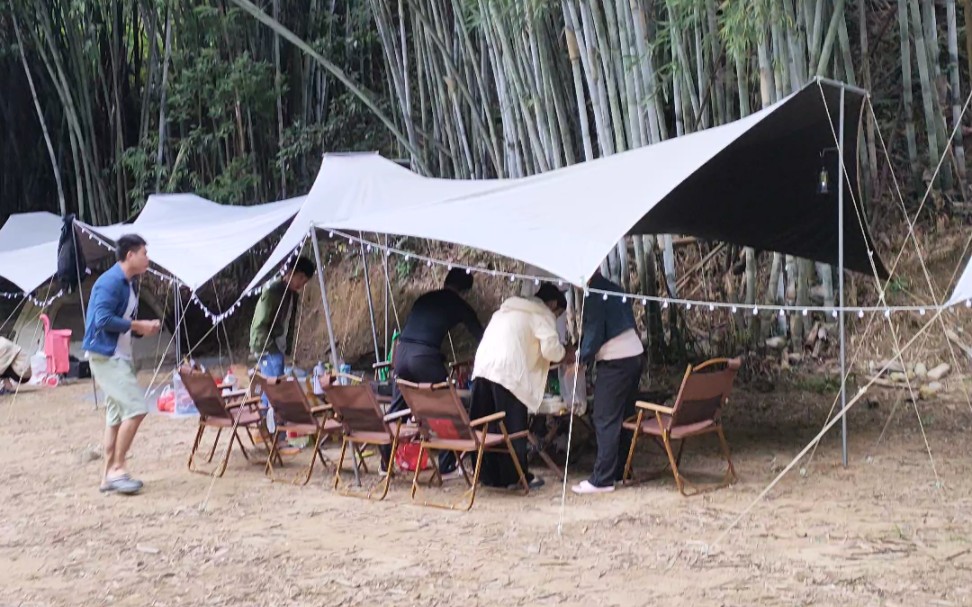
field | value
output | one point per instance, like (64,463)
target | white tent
(28,249)
(192,238)
(963,288)
(750,182)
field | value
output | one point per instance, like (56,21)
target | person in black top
(418,355)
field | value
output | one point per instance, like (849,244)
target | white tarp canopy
(28,249)
(750,182)
(192,239)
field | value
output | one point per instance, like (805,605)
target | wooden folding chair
(363,423)
(444,426)
(697,411)
(293,412)
(215,412)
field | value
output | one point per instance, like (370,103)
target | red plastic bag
(406,457)
(166,401)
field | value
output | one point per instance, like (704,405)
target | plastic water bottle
(345,369)
(318,372)
(230,382)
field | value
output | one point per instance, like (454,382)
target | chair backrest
(357,407)
(204,393)
(438,410)
(288,399)
(704,390)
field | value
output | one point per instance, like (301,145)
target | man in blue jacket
(610,341)
(108,331)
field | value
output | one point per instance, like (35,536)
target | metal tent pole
(178,322)
(330,330)
(840,274)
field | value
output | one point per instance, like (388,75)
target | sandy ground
(882,532)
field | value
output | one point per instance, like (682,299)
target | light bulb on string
(887,313)
(860,313)
(688,306)
(755,311)
(604,297)
(922,311)
(468,270)
(805,312)
(624,299)
(711,308)
(735,309)
(664,305)
(782,313)
(834,313)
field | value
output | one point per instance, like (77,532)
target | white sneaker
(449,476)
(585,487)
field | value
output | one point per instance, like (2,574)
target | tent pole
(371,304)
(840,274)
(327,306)
(330,330)
(178,323)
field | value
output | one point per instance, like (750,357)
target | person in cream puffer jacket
(510,372)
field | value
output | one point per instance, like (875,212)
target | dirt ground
(881,532)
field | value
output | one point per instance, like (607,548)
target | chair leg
(195,446)
(671,460)
(542,453)
(239,441)
(418,468)
(516,460)
(212,451)
(626,475)
(221,468)
(340,464)
(731,470)
(689,489)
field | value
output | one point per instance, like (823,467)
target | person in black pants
(610,341)
(510,375)
(418,356)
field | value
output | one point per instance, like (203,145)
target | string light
(860,313)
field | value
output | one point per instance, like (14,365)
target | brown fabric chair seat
(444,425)
(329,425)
(491,440)
(696,411)
(650,426)
(232,411)
(246,418)
(364,423)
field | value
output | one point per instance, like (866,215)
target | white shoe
(449,476)
(585,487)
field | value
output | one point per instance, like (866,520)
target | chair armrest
(460,363)
(397,415)
(520,434)
(655,408)
(489,418)
(348,376)
(321,409)
(233,394)
(381,365)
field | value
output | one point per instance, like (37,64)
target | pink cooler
(57,348)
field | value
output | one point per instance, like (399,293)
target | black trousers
(615,392)
(489,397)
(417,363)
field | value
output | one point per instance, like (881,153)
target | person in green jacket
(272,327)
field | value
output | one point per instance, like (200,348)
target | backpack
(71,264)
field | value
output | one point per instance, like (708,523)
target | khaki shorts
(125,399)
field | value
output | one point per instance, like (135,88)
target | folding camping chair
(697,411)
(293,413)
(363,423)
(444,426)
(215,412)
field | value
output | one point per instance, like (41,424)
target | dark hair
(128,244)
(459,279)
(548,292)
(305,267)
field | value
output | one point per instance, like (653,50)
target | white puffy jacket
(517,348)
